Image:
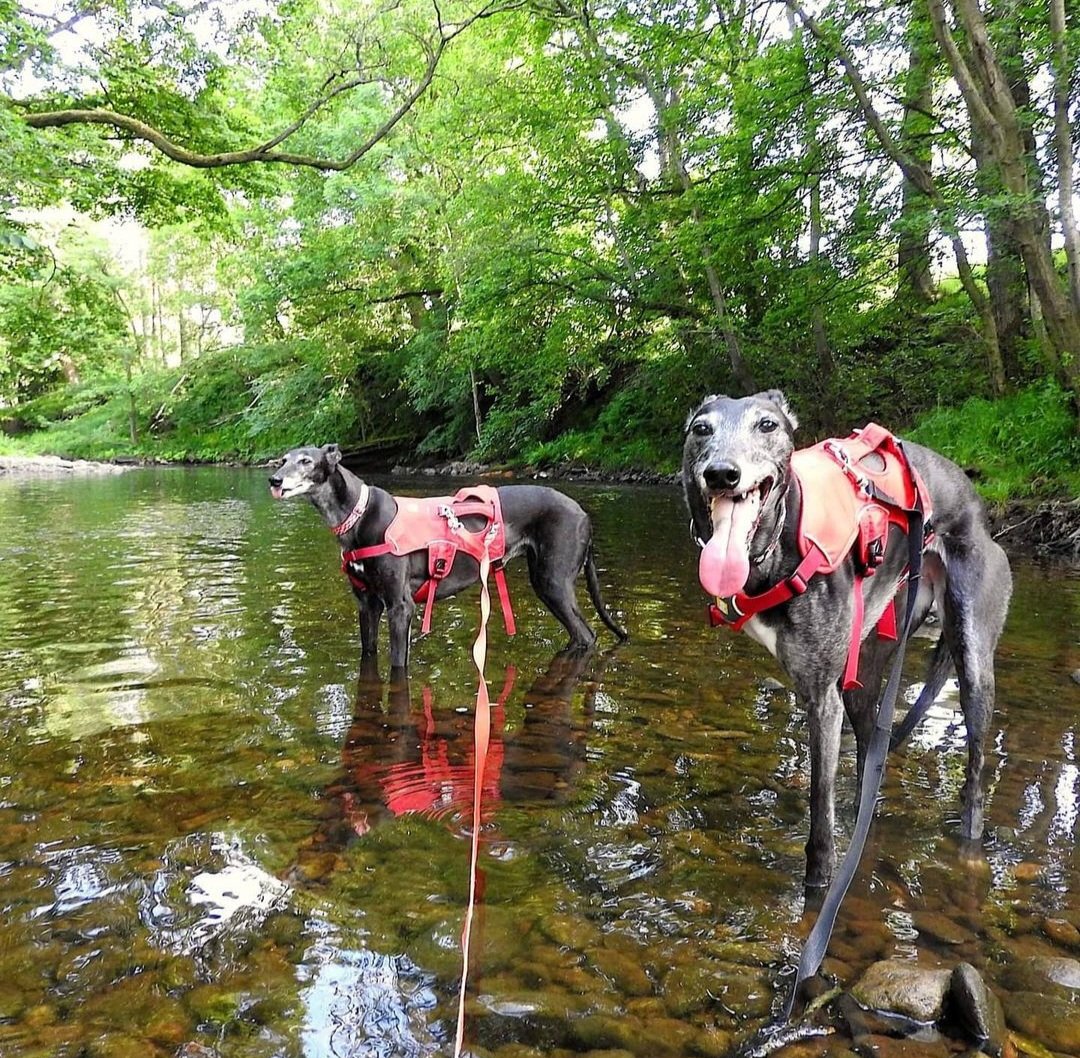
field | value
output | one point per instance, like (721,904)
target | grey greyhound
(745,506)
(550,528)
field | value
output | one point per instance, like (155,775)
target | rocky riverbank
(54,466)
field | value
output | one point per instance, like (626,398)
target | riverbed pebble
(977,1009)
(1058,977)
(699,985)
(904,987)
(940,928)
(1055,1023)
(623,970)
(1062,932)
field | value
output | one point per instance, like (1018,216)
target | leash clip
(693,536)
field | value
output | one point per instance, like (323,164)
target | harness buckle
(451,519)
(797,583)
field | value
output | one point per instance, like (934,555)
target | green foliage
(551,258)
(59,323)
(1023,445)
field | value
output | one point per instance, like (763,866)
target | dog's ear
(333,455)
(776,396)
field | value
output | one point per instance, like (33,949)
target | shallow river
(216,840)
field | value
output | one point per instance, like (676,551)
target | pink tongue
(275,491)
(724,565)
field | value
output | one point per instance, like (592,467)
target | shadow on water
(217,838)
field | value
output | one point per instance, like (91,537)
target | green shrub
(1022,445)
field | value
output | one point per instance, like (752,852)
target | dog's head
(735,470)
(304,469)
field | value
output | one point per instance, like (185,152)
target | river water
(217,839)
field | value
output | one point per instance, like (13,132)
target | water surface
(218,837)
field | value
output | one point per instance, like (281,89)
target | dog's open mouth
(277,491)
(724,566)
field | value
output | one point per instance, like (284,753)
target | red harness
(434,524)
(853,490)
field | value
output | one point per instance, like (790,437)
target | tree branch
(267,151)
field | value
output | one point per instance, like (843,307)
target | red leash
(481,740)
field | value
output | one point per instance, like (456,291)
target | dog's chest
(765,634)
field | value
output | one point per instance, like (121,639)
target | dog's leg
(825,714)
(877,654)
(861,704)
(976,599)
(370,614)
(555,589)
(399,616)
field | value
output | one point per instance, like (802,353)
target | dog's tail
(941,668)
(593,582)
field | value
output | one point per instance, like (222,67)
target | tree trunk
(183,325)
(133,418)
(811,149)
(474,387)
(672,151)
(914,282)
(986,92)
(1005,277)
(1063,148)
(924,181)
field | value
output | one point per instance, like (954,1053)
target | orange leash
(481,739)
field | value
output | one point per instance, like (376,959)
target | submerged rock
(905,988)
(624,972)
(1062,932)
(1056,976)
(940,928)
(698,986)
(1053,1022)
(978,1011)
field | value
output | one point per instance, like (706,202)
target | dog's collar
(354,515)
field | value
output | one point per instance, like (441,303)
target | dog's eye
(305,460)
(767,425)
(701,428)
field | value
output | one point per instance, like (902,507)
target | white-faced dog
(746,506)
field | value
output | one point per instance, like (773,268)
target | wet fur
(965,572)
(549,528)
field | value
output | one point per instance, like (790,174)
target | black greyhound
(743,498)
(551,530)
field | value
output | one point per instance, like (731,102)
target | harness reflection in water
(402,755)
(406,757)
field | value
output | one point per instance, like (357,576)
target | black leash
(817,943)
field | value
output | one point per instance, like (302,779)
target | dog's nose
(722,475)
(275,480)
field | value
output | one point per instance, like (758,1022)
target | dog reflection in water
(434,764)
(404,756)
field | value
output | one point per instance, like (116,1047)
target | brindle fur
(548,527)
(742,441)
